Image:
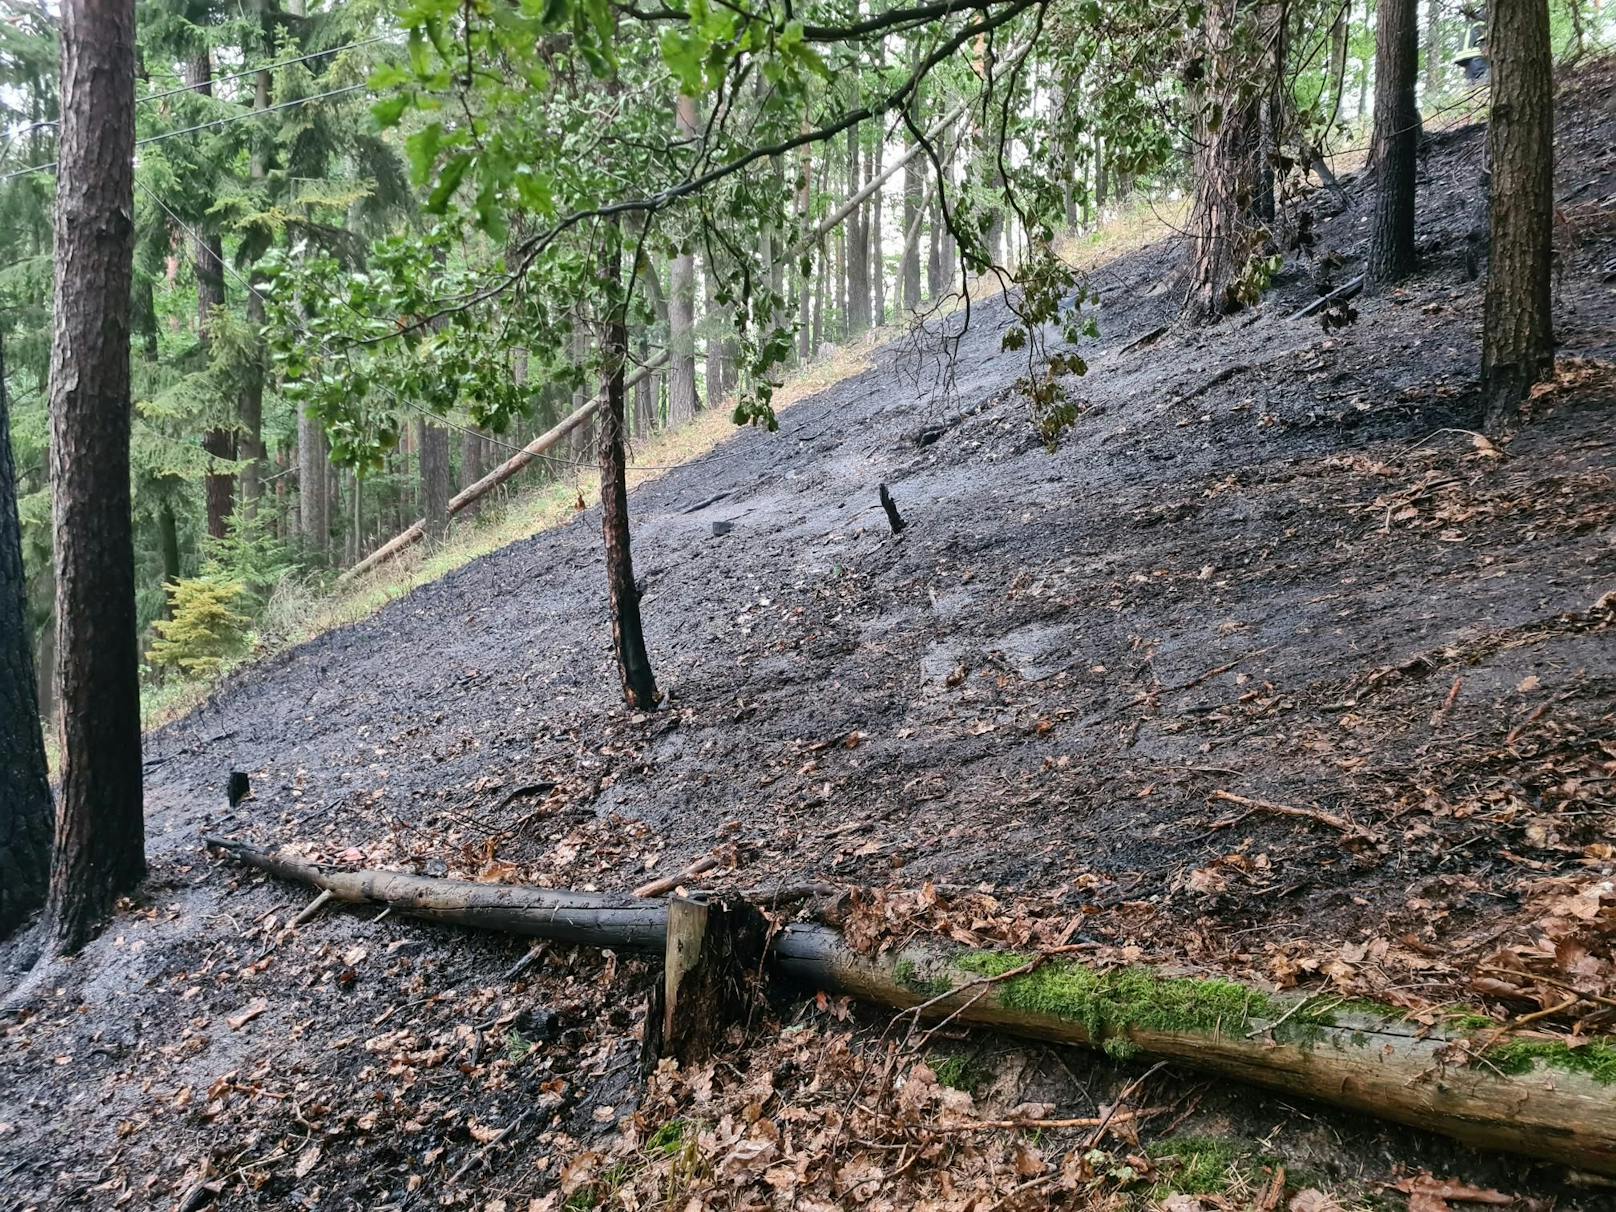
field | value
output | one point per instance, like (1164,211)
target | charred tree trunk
(100,830)
(628,637)
(433,441)
(1396,142)
(25,800)
(1517,332)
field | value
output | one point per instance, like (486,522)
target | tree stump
(710,977)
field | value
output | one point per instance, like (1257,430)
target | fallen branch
(667,883)
(1046,1125)
(1310,814)
(1542,1103)
(1345,291)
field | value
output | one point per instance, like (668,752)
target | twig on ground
(1311,814)
(667,883)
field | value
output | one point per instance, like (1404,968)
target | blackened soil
(1266,560)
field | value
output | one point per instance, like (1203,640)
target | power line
(253,71)
(191,130)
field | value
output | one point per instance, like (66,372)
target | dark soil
(1266,560)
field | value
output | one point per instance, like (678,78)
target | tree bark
(25,799)
(878,272)
(715,325)
(628,637)
(208,265)
(313,488)
(858,248)
(433,442)
(100,831)
(1377,1063)
(1338,60)
(914,186)
(1225,136)
(1396,142)
(1517,346)
(682,399)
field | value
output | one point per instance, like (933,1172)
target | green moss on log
(1109,1004)
(1596,1059)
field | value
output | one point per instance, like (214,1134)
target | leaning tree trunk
(1517,345)
(628,637)
(1521,1093)
(100,832)
(25,801)
(1396,142)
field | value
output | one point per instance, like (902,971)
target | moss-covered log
(1528,1095)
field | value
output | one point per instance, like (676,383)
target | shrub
(204,629)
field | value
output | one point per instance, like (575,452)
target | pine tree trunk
(313,492)
(1396,142)
(25,801)
(682,401)
(1338,61)
(628,637)
(878,272)
(805,280)
(220,442)
(1517,332)
(714,364)
(914,187)
(250,411)
(471,465)
(99,850)
(433,443)
(1223,156)
(858,248)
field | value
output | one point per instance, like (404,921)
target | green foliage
(249,556)
(204,629)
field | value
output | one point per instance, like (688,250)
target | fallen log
(1530,1095)
(475,492)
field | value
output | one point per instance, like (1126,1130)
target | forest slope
(1267,560)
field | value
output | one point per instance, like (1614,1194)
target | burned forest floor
(1274,669)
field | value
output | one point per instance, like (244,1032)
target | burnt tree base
(711,978)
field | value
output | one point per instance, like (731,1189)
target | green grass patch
(960,1072)
(1205,1165)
